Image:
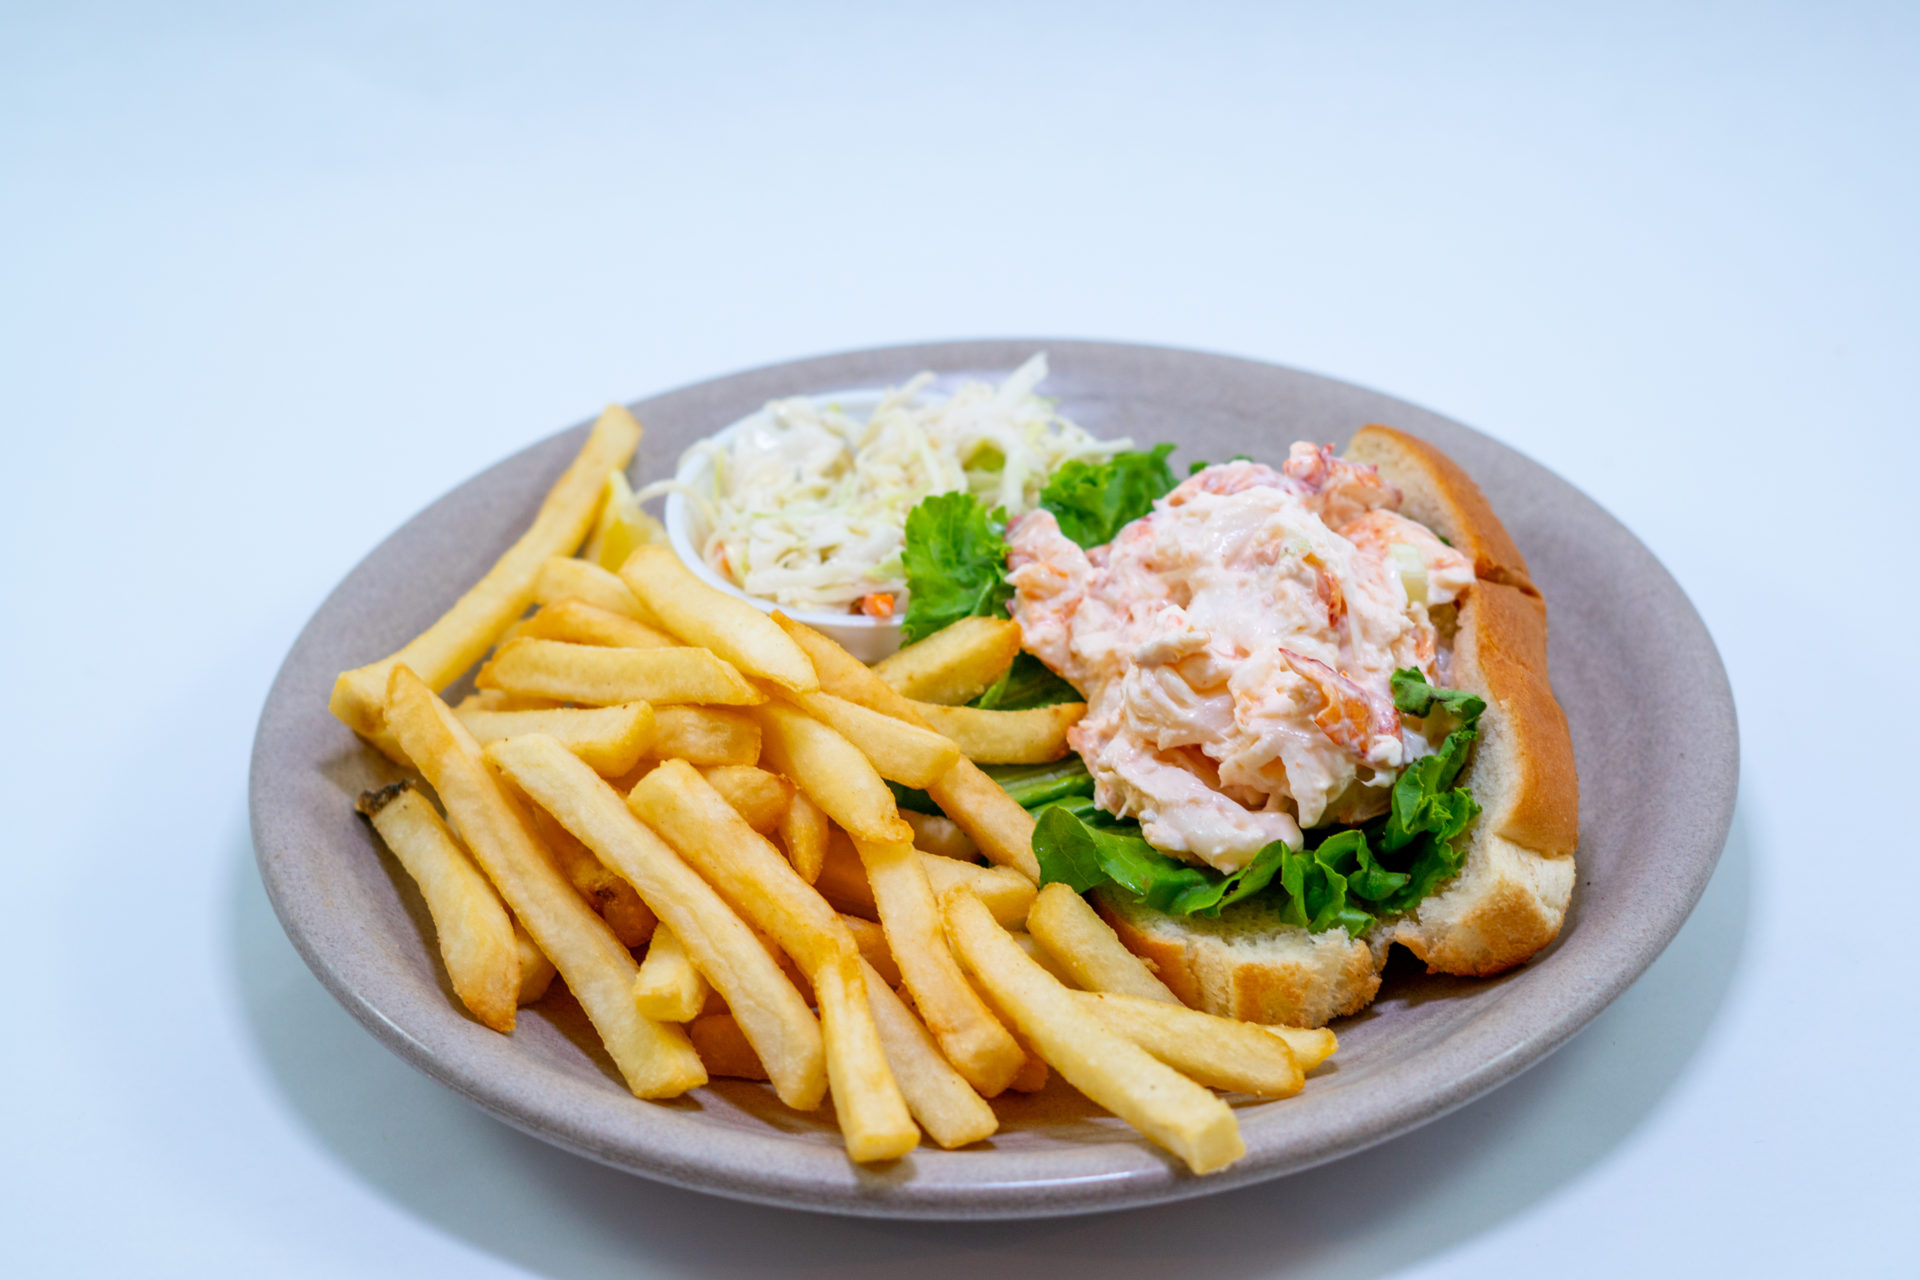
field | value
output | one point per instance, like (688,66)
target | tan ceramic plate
(1653,729)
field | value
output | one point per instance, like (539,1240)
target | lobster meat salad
(1236,647)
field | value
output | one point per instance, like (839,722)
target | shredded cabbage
(809,503)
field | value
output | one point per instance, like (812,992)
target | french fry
(835,774)
(1044,958)
(579,622)
(725,1048)
(873,1114)
(1088,949)
(705,735)
(536,971)
(1032,1076)
(1109,1069)
(604,677)
(669,987)
(474,932)
(701,615)
(955,664)
(843,880)
(696,820)
(623,525)
(1217,1052)
(499,700)
(872,941)
(611,897)
(938,1096)
(1311,1046)
(565,578)
(1036,735)
(610,740)
(1008,894)
(935,834)
(845,676)
(803,830)
(996,822)
(727,953)
(972,1039)
(656,1058)
(455,642)
(756,795)
(900,752)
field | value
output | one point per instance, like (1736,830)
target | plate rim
(737,1173)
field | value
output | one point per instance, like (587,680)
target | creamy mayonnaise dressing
(1236,646)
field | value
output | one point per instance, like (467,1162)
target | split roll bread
(1511,894)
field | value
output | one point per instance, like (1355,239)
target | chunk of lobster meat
(1443,573)
(1363,724)
(1338,491)
(1049,573)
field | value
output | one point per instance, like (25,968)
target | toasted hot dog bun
(1511,894)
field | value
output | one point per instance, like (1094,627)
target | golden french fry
(956,663)
(669,987)
(656,1058)
(938,1096)
(470,923)
(1042,957)
(455,642)
(725,1048)
(934,834)
(900,752)
(610,740)
(1036,735)
(970,1036)
(1008,894)
(842,880)
(845,676)
(833,772)
(690,815)
(702,615)
(1086,946)
(873,1115)
(756,795)
(1032,1076)
(623,525)
(565,578)
(1311,1046)
(536,971)
(994,819)
(705,735)
(1217,1052)
(578,621)
(499,700)
(803,830)
(1109,1069)
(872,941)
(616,901)
(603,677)
(726,952)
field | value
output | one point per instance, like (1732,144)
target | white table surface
(271,282)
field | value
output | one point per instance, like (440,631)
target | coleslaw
(809,502)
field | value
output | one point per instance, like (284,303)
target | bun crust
(1246,964)
(1511,895)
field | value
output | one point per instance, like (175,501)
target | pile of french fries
(648,762)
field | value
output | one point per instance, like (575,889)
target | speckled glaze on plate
(1653,730)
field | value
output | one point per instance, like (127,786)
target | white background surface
(271,282)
